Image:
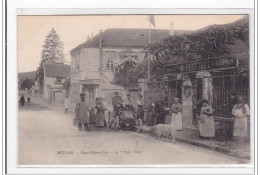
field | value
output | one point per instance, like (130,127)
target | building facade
(54,77)
(94,63)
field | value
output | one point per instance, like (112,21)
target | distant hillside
(25,75)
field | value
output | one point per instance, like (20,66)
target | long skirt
(207,129)
(140,112)
(100,119)
(150,118)
(177,121)
(240,127)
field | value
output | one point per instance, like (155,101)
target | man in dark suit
(117,102)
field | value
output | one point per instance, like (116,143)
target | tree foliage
(52,52)
(66,84)
(208,42)
(27,83)
(128,76)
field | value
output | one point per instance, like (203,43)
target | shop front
(215,79)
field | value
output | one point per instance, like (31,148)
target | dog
(163,129)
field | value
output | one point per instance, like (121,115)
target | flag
(151,20)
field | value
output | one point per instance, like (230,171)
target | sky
(74,30)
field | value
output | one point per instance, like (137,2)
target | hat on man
(128,95)
(116,93)
(204,100)
(176,99)
(82,94)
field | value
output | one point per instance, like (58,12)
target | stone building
(54,77)
(94,62)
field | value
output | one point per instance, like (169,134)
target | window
(109,63)
(58,79)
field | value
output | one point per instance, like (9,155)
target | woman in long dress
(241,113)
(140,108)
(100,122)
(176,115)
(206,121)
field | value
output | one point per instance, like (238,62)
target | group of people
(22,100)
(205,119)
(240,113)
(86,115)
(156,114)
(128,104)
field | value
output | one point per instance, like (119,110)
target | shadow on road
(32,107)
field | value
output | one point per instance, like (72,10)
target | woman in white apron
(241,113)
(176,115)
(206,121)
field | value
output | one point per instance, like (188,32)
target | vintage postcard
(134,89)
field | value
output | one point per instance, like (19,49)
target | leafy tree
(66,84)
(52,52)
(209,42)
(27,83)
(128,76)
(212,41)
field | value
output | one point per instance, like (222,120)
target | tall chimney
(171,31)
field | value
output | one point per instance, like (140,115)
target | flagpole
(149,40)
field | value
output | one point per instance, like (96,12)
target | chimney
(88,38)
(171,31)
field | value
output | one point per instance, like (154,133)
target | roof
(128,38)
(57,70)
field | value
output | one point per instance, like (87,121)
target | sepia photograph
(155,89)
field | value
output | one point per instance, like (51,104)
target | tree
(52,52)
(66,84)
(27,83)
(128,76)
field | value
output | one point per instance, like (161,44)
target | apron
(240,124)
(206,128)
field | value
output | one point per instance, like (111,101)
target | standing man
(130,102)
(66,104)
(22,100)
(151,113)
(241,113)
(82,113)
(117,102)
(159,109)
(29,100)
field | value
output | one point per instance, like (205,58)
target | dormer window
(58,79)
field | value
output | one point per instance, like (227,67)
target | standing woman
(241,113)
(100,116)
(176,115)
(140,108)
(206,121)
(22,100)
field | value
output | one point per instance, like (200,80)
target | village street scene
(163,91)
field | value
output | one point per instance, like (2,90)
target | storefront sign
(210,64)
